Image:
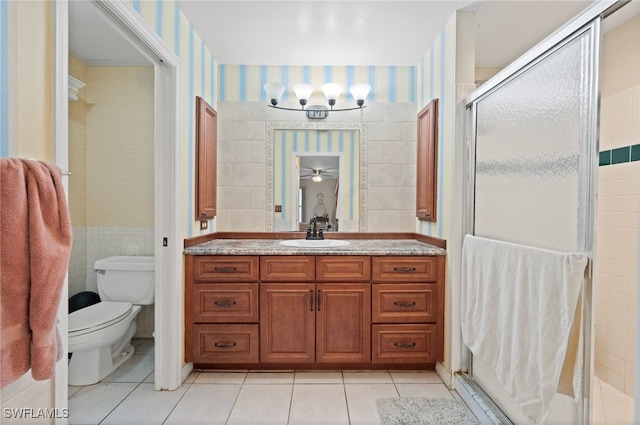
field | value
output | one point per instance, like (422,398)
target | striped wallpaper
(436,79)
(343,142)
(4,81)
(199,71)
(388,83)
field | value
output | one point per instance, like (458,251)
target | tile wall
(92,243)
(616,268)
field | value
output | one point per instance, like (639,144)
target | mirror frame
(361,128)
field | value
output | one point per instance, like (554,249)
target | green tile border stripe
(620,155)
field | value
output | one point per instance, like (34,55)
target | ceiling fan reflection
(317,175)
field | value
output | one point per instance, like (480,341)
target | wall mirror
(316,170)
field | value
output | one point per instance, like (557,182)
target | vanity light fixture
(304,91)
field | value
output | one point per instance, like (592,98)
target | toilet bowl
(100,334)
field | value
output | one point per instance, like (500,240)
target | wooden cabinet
(221,311)
(287,322)
(427,162)
(407,310)
(206,160)
(314,322)
(343,323)
(310,312)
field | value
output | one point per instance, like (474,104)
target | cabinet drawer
(225,344)
(225,303)
(405,303)
(404,344)
(343,268)
(404,269)
(287,268)
(225,269)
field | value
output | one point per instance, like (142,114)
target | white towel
(520,314)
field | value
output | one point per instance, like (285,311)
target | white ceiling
(347,32)
(95,41)
(337,32)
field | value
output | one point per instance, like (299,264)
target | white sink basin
(324,243)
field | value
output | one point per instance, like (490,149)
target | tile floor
(127,397)
(610,405)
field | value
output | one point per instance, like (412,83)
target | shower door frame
(588,20)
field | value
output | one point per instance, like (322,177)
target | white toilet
(100,335)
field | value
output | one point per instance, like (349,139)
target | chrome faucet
(317,233)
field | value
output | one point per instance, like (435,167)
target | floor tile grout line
(346,398)
(178,402)
(121,401)
(235,401)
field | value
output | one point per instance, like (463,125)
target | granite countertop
(272,247)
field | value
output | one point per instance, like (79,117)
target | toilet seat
(97,316)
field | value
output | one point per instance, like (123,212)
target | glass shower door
(533,152)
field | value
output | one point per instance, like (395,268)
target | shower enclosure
(533,158)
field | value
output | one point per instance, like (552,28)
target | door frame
(170,370)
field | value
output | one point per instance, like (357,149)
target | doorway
(317,186)
(111,150)
(170,369)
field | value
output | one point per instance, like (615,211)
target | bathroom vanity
(375,303)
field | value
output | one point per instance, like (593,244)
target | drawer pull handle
(404,304)
(224,269)
(404,269)
(405,345)
(225,303)
(310,299)
(225,344)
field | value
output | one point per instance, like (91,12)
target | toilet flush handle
(101,271)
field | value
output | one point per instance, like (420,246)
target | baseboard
(444,374)
(186,370)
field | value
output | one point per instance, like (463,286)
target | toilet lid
(98,316)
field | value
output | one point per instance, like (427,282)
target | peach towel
(35,244)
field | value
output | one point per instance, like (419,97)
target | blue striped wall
(4,81)
(436,79)
(388,83)
(199,73)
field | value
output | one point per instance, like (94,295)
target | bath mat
(424,411)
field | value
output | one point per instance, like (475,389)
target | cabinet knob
(204,213)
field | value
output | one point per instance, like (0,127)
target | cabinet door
(206,159)
(287,322)
(343,323)
(427,161)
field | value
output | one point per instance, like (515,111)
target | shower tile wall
(617,239)
(93,243)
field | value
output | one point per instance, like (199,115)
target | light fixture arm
(334,110)
(304,91)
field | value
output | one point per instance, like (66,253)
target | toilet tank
(126,279)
